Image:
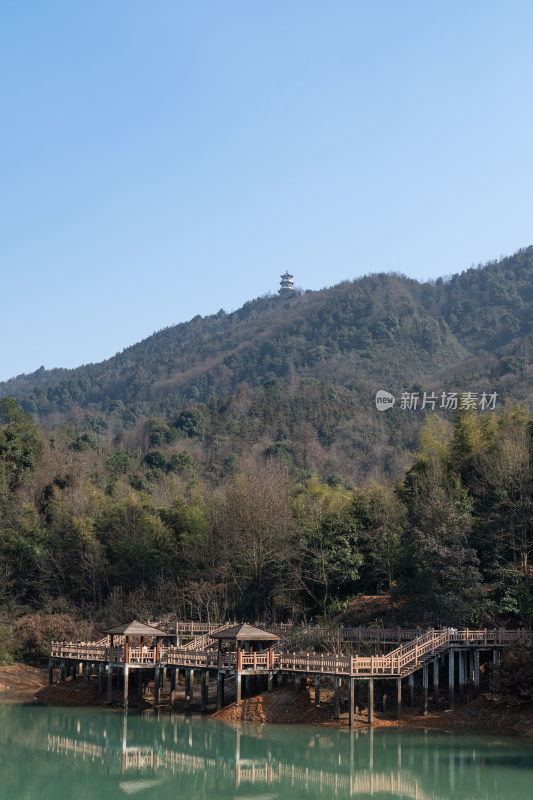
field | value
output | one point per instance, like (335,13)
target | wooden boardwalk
(460,648)
(399,663)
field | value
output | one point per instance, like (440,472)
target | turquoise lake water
(50,753)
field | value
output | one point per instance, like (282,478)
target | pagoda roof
(135,628)
(246,633)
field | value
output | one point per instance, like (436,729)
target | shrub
(33,633)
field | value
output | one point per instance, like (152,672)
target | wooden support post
(461,671)
(204,691)
(451,678)
(476,670)
(50,672)
(88,671)
(399,698)
(62,667)
(470,676)
(220,690)
(495,659)
(317,690)
(125,687)
(351,702)
(411,682)
(436,680)
(172,685)
(109,684)
(297,682)
(238,687)
(371,701)
(425,682)
(337,697)
(100,678)
(270,682)
(279,678)
(357,697)
(157,684)
(188,688)
(384,702)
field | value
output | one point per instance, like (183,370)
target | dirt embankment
(484,714)
(20,682)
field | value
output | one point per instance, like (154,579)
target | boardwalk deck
(402,662)
(399,663)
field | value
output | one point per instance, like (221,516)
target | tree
(440,570)
(380,519)
(20,446)
(326,556)
(253,523)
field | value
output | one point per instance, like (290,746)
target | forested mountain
(297,377)
(237,465)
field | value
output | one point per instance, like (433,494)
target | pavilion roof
(135,628)
(245,632)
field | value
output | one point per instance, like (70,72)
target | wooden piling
(337,697)
(425,682)
(204,691)
(220,690)
(157,684)
(125,687)
(461,671)
(109,684)
(399,698)
(173,677)
(371,701)
(436,680)
(351,701)
(451,678)
(411,683)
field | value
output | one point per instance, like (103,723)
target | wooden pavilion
(254,651)
(250,639)
(137,630)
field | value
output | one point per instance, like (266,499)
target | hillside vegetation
(297,377)
(237,465)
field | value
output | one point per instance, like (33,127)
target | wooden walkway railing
(402,661)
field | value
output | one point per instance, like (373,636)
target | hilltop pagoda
(286,284)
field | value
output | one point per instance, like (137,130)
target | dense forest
(236,465)
(109,535)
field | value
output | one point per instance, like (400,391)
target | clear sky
(167,158)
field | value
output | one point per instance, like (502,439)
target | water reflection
(90,754)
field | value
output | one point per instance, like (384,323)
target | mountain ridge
(378,328)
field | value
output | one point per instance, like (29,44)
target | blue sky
(171,158)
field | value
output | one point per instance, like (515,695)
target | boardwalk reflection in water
(104,754)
